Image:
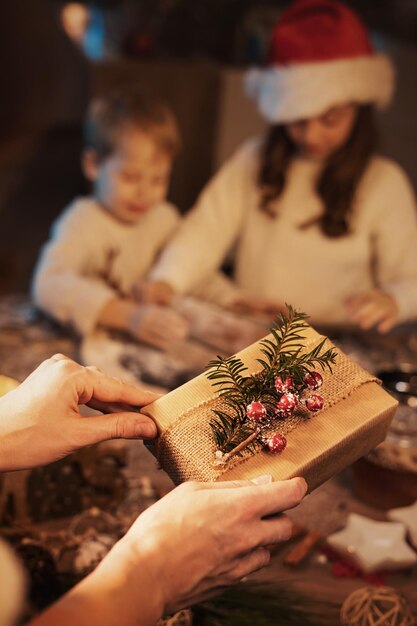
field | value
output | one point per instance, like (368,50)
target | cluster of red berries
(287,404)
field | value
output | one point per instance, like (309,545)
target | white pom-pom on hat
(320,56)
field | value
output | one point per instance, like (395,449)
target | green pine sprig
(227,375)
(282,355)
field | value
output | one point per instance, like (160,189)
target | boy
(103,244)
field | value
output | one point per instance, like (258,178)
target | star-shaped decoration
(408,516)
(374,546)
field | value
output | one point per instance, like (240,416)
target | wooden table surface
(26,339)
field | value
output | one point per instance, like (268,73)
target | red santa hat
(320,56)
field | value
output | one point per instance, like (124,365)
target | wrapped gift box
(354,420)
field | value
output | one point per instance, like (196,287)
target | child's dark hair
(109,115)
(338,182)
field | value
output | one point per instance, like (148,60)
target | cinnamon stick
(302,549)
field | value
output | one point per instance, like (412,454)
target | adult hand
(187,547)
(373,308)
(40,421)
(205,536)
(157,325)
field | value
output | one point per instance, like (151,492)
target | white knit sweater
(92,257)
(277,260)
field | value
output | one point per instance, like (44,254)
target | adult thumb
(121,426)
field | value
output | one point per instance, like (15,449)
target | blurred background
(56,55)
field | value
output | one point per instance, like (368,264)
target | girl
(313,215)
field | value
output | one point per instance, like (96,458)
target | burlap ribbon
(186,446)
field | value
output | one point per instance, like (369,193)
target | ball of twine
(376,606)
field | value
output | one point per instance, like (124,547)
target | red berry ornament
(256,411)
(314,402)
(282,386)
(287,404)
(313,380)
(276,443)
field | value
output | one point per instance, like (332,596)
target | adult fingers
(263,479)
(117,426)
(239,570)
(230,484)
(232,572)
(93,385)
(252,562)
(275,530)
(276,497)
(213,586)
(111,407)
(262,499)
(205,592)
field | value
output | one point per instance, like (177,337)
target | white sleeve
(60,286)
(209,230)
(396,242)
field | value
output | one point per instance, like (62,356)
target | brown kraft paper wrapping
(355,419)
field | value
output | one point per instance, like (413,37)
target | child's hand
(373,308)
(152,292)
(219,328)
(157,325)
(255,305)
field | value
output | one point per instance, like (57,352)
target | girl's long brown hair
(338,181)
